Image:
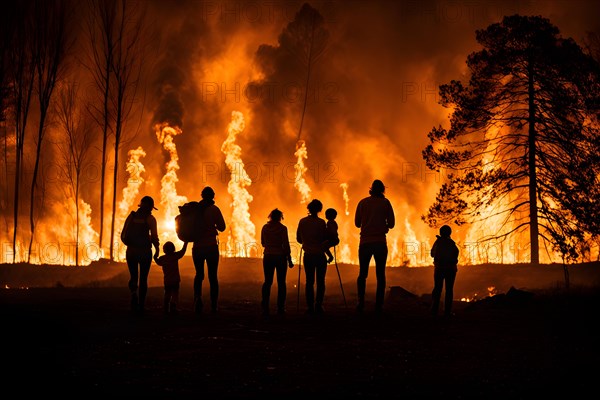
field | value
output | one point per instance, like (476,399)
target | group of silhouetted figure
(374,217)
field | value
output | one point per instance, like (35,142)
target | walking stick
(339,276)
(299,269)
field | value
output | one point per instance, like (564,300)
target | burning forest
(275,104)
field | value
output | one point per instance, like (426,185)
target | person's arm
(434,247)
(391,218)
(220,221)
(299,233)
(456,252)
(357,216)
(181,252)
(153,233)
(287,250)
(285,241)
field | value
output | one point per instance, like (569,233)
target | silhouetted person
(311,234)
(206,248)
(375,217)
(144,234)
(171,278)
(277,258)
(332,236)
(445,261)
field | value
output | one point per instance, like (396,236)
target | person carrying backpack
(139,234)
(208,224)
(445,261)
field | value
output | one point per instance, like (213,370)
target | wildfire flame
(169,199)
(300,183)
(135,168)
(491,292)
(344,187)
(242,230)
(88,237)
(345,254)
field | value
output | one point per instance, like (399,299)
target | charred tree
(21,84)
(52,42)
(78,140)
(126,65)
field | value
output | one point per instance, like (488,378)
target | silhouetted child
(333,238)
(170,265)
(445,260)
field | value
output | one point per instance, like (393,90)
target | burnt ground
(79,339)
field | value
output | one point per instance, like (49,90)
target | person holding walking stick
(311,234)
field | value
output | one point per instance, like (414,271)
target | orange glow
(345,196)
(300,184)
(169,199)
(221,109)
(135,168)
(241,240)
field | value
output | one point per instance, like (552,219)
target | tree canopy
(522,143)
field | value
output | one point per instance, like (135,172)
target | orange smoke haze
(371,100)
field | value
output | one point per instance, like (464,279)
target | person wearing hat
(205,249)
(143,234)
(375,217)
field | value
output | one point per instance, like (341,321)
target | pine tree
(522,139)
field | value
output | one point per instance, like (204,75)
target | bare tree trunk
(79,138)
(7,32)
(533,211)
(51,46)
(103,167)
(32,204)
(22,84)
(126,67)
(101,27)
(114,195)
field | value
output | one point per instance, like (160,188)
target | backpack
(185,222)
(125,232)
(135,231)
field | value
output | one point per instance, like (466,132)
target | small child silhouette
(170,265)
(333,238)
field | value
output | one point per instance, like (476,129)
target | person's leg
(281,268)
(309,272)
(132,265)
(145,263)
(212,265)
(268,271)
(380,252)
(198,257)
(321,272)
(438,281)
(364,258)
(450,277)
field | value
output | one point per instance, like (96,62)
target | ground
(71,333)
